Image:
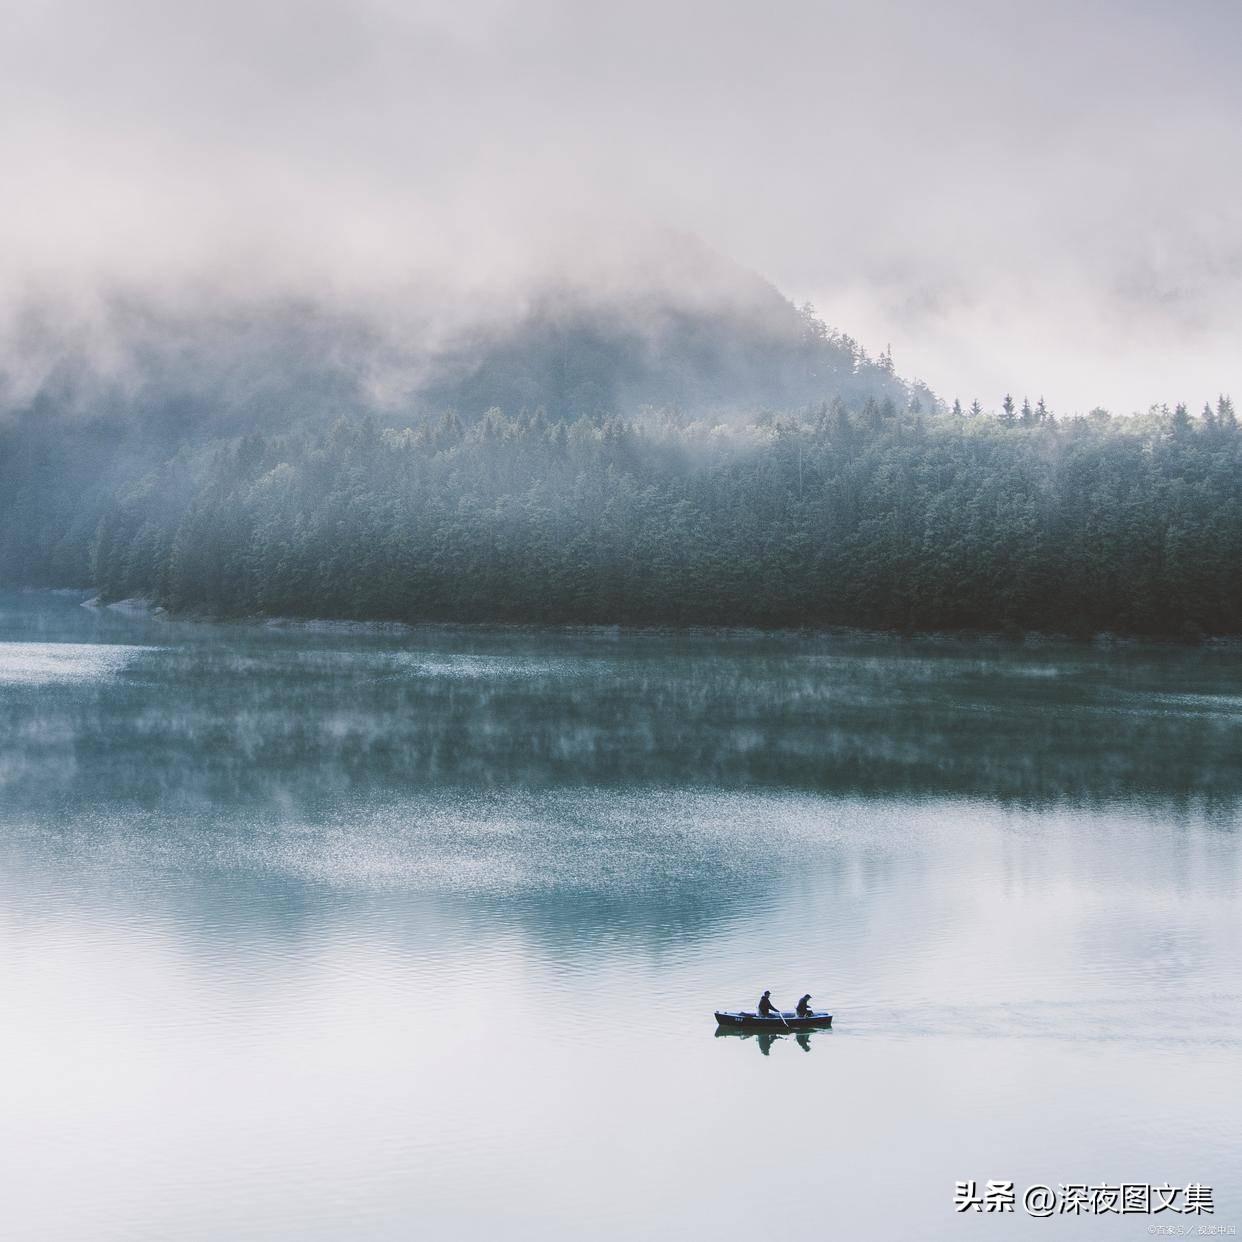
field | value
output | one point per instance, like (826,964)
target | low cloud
(1039,199)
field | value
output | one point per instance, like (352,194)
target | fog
(1038,200)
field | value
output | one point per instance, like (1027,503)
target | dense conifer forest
(872,513)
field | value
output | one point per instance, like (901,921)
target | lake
(312,933)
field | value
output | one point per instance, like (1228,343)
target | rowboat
(789,1021)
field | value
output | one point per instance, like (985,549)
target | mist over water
(318,932)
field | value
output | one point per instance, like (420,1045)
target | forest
(875,512)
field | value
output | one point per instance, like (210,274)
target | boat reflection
(765,1039)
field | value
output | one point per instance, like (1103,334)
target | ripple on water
(37,664)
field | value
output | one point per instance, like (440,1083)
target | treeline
(877,517)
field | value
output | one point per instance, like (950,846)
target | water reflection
(247,716)
(765,1039)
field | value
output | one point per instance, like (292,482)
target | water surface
(311,933)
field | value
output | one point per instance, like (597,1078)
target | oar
(782,1018)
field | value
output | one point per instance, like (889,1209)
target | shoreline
(139,608)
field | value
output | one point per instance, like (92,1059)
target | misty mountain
(694,332)
(684,448)
(572,354)
(131,392)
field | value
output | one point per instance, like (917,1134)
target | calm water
(311,934)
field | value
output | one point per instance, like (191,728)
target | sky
(1037,198)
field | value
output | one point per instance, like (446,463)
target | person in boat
(766,1008)
(804,1006)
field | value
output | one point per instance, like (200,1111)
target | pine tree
(1007,410)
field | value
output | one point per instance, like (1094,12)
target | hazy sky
(1044,197)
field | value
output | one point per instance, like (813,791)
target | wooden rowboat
(743,1021)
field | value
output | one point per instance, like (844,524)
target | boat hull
(788,1022)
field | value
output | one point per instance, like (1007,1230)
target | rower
(804,1008)
(766,1008)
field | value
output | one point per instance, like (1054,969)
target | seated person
(766,1008)
(804,1006)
